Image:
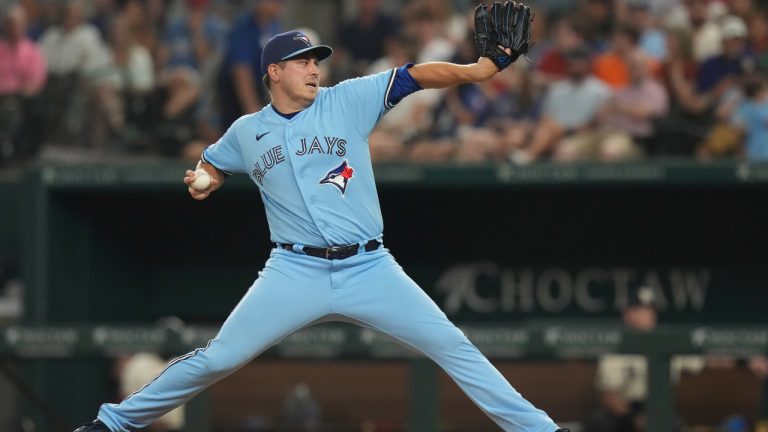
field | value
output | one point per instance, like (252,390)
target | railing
(334,341)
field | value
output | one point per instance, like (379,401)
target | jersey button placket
(299,172)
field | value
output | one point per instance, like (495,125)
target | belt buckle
(331,250)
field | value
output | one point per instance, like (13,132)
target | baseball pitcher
(307,152)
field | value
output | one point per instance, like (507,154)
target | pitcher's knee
(449,341)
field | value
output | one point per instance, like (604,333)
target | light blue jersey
(313,170)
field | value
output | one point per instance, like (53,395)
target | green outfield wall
(126,243)
(493,245)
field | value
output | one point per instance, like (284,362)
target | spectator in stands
(190,58)
(128,64)
(121,90)
(505,121)
(612,67)
(456,109)
(193,38)
(143,23)
(179,95)
(74,46)
(457,122)
(752,118)
(74,52)
(565,36)
(240,89)
(721,72)
(719,78)
(679,71)
(622,380)
(428,140)
(626,120)
(363,39)
(682,129)
(22,76)
(652,39)
(706,36)
(570,105)
(516,106)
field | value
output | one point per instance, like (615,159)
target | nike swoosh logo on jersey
(260,136)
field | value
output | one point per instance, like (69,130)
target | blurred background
(593,217)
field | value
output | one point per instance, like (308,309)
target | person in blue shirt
(719,73)
(307,152)
(752,118)
(192,38)
(239,83)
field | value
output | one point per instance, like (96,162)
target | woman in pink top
(22,65)
(22,75)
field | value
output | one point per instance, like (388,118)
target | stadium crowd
(607,79)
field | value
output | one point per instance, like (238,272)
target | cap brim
(322,51)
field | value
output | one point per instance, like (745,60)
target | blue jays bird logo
(339,176)
(302,37)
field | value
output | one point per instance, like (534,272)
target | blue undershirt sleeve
(402,86)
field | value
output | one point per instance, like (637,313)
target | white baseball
(202,180)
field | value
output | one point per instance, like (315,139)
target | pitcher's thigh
(385,298)
(276,305)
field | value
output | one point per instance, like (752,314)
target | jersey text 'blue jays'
(313,169)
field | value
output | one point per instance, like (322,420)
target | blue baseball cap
(284,46)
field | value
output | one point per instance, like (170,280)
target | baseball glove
(506,25)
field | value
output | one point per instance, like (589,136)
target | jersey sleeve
(367,99)
(225,153)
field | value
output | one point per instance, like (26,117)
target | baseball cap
(733,27)
(284,46)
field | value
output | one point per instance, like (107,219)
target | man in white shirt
(571,105)
(622,379)
(75,46)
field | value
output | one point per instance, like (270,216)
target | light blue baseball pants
(295,290)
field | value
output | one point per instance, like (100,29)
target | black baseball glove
(506,25)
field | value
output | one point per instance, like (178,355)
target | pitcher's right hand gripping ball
(200,188)
(507,25)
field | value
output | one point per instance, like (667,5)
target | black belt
(335,252)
